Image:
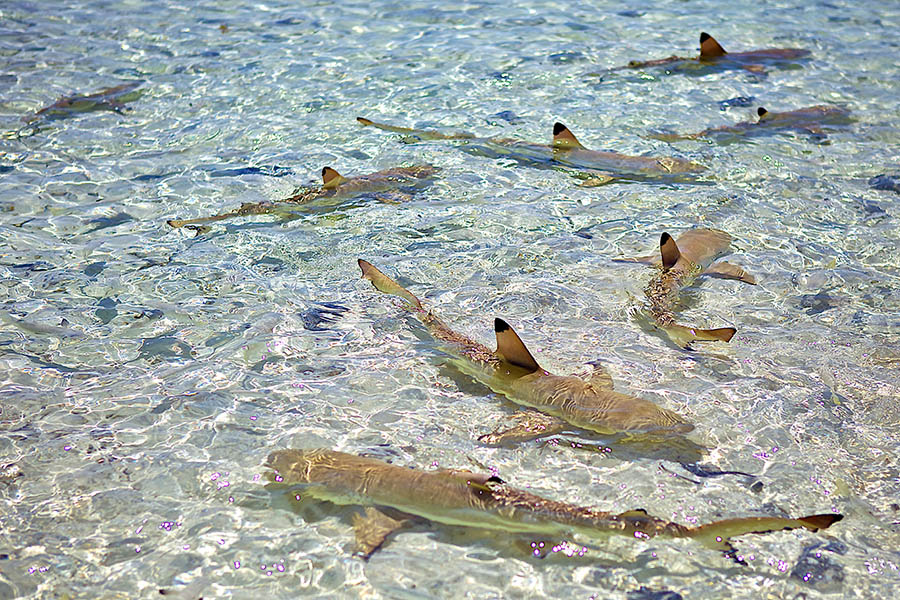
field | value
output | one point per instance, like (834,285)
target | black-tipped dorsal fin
(709,47)
(563,138)
(511,349)
(761,112)
(331,178)
(669,251)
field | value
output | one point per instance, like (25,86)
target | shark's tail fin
(420,134)
(717,533)
(684,336)
(385,284)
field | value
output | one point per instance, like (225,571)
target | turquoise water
(148,371)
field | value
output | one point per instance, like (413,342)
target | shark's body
(679,263)
(714,57)
(113,99)
(564,152)
(389,185)
(559,402)
(812,120)
(485,501)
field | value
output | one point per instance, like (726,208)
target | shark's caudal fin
(669,250)
(331,178)
(385,284)
(709,47)
(511,349)
(716,534)
(563,138)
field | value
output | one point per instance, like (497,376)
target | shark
(113,98)
(714,57)
(679,263)
(479,500)
(811,120)
(554,403)
(566,153)
(389,185)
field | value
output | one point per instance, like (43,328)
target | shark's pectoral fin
(596,180)
(684,336)
(599,378)
(531,425)
(649,260)
(373,529)
(394,197)
(726,270)
(709,47)
(385,284)
(563,139)
(511,348)
(755,69)
(669,251)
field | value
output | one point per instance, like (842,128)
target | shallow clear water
(147,372)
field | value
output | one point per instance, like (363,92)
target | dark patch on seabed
(888,183)
(817,570)
(645,593)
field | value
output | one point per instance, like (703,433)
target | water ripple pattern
(146,372)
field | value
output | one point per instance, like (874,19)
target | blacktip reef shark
(564,152)
(558,402)
(713,56)
(113,99)
(463,498)
(812,120)
(389,185)
(679,263)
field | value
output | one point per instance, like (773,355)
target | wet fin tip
(512,349)
(669,250)
(558,128)
(364,121)
(704,36)
(761,112)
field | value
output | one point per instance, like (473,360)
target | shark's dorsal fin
(331,178)
(511,349)
(563,138)
(709,47)
(761,112)
(669,250)
(637,512)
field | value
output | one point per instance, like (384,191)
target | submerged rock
(817,570)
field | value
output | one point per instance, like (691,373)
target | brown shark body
(558,402)
(564,152)
(811,120)
(714,57)
(468,499)
(113,99)
(389,185)
(680,263)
